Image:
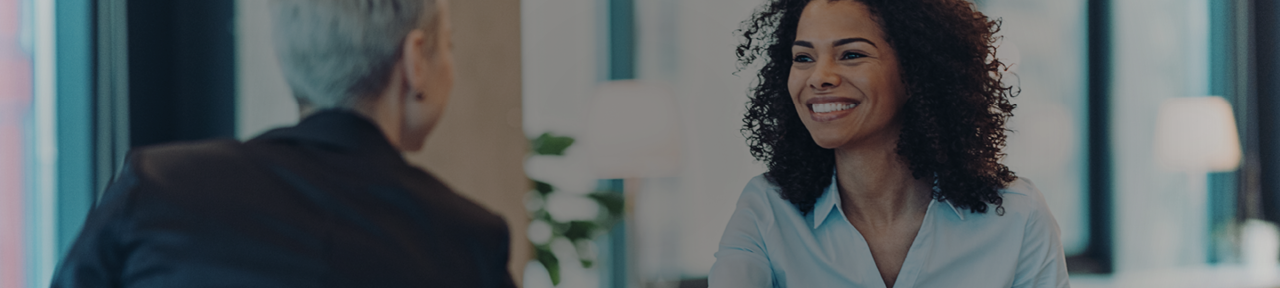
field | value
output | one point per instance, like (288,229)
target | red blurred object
(15,104)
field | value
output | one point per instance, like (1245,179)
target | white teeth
(831,107)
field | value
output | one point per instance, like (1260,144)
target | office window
(15,109)
(1160,52)
(45,135)
(27,160)
(1044,41)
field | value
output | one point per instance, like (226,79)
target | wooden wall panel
(479,147)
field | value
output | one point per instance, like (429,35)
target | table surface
(1207,276)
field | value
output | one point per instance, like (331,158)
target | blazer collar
(830,201)
(342,130)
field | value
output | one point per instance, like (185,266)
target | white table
(1226,276)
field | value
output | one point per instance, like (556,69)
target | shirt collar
(830,201)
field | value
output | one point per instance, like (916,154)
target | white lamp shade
(1197,134)
(633,131)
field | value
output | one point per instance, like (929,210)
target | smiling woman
(835,65)
(882,125)
(951,74)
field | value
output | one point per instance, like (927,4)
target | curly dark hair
(954,118)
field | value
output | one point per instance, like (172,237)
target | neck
(876,186)
(386,114)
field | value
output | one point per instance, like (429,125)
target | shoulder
(1024,201)
(195,174)
(759,193)
(215,148)
(758,188)
(761,202)
(1041,261)
(163,178)
(186,160)
(1022,196)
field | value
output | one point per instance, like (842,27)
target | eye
(851,55)
(802,59)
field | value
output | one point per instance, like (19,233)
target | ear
(414,54)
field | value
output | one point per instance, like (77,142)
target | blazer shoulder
(188,161)
(176,155)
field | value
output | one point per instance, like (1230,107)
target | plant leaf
(550,144)
(542,187)
(581,230)
(549,261)
(612,201)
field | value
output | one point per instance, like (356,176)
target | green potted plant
(545,228)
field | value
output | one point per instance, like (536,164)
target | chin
(832,135)
(829,141)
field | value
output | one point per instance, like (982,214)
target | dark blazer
(327,203)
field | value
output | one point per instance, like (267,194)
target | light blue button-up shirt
(768,243)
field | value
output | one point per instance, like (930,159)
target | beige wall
(478,149)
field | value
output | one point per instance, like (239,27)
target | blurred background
(607,131)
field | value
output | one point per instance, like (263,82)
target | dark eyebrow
(851,40)
(837,43)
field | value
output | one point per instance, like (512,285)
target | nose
(824,76)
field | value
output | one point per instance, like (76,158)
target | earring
(417,95)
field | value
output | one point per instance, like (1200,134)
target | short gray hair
(333,52)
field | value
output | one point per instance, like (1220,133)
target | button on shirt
(769,243)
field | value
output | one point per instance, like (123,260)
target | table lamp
(1195,136)
(633,133)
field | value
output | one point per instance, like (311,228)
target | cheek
(879,85)
(448,65)
(893,91)
(442,77)
(795,83)
(439,86)
(889,83)
(890,102)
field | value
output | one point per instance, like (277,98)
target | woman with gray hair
(327,203)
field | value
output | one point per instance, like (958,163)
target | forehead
(831,20)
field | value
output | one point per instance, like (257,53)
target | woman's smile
(829,108)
